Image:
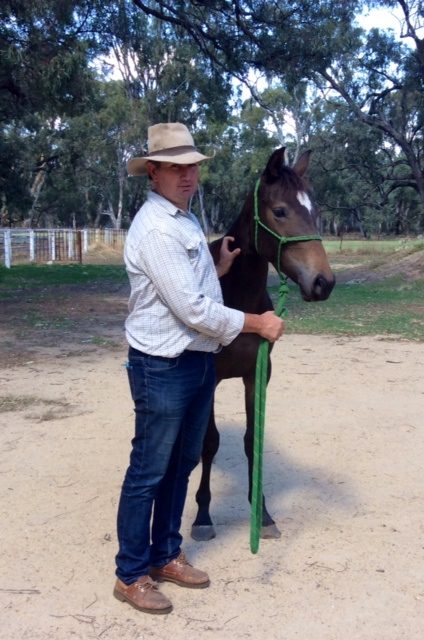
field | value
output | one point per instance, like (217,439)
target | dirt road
(344,458)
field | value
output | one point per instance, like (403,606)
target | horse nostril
(322,288)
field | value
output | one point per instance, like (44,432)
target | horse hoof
(271,531)
(203,533)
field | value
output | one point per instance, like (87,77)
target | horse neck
(243,231)
(244,287)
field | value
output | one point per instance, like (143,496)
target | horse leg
(269,529)
(202,528)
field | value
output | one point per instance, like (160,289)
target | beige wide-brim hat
(167,142)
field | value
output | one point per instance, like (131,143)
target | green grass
(101,342)
(390,308)
(371,247)
(37,320)
(32,276)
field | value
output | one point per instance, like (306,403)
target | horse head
(285,226)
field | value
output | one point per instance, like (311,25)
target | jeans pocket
(132,377)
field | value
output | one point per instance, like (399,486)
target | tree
(166,79)
(380,81)
(284,37)
(382,84)
(45,48)
(44,76)
(355,98)
(77,133)
(242,148)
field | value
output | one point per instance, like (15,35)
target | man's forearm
(267,325)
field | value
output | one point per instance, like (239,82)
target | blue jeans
(172,399)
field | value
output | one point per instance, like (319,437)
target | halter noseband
(282,240)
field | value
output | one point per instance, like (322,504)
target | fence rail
(18,246)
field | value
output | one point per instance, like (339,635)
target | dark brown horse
(284,213)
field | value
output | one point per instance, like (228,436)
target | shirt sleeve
(166,262)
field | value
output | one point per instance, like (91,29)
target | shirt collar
(160,201)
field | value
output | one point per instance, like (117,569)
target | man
(176,322)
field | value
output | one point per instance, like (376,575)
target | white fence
(18,246)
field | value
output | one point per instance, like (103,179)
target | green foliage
(70,168)
(67,129)
(44,76)
(44,49)
(281,38)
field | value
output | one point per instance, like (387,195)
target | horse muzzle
(319,289)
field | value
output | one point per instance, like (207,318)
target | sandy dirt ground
(344,459)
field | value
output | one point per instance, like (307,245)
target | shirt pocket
(194,248)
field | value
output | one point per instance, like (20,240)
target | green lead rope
(259,428)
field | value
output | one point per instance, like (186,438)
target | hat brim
(138,166)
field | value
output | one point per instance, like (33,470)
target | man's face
(175,182)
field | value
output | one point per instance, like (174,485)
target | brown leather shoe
(181,572)
(144,595)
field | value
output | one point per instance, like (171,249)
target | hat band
(172,151)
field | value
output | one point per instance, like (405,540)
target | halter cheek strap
(282,240)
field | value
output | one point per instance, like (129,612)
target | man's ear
(151,170)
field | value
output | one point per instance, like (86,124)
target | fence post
(31,246)
(52,245)
(71,251)
(7,249)
(85,246)
(79,245)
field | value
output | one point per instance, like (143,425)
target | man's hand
(226,257)
(267,325)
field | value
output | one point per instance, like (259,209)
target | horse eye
(279,212)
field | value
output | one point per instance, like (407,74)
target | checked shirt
(175,301)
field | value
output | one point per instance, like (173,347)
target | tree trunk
(36,188)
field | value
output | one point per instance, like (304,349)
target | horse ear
(274,164)
(302,163)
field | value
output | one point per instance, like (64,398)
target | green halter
(262,379)
(282,240)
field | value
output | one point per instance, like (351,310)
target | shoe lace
(147,585)
(182,560)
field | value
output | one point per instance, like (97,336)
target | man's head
(175,182)
(171,162)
